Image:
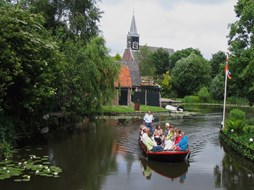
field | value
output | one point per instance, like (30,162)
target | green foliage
(117,57)
(217,87)
(236,121)
(237,100)
(204,95)
(240,143)
(237,114)
(191,99)
(180,54)
(89,78)
(218,59)
(146,65)
(190,74)
(30,65)
(79,18)
(160,59)
(241,40)
(165,84)
(7,134)
(249,129)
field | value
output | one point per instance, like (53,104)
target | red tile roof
(124,78)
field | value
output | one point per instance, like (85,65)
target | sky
(176,24)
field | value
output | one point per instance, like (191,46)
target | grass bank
(128,109)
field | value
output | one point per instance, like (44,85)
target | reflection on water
(105,155)
(172,171)
(235,172)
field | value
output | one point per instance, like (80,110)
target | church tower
(133,36)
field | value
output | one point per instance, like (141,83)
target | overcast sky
(176,24)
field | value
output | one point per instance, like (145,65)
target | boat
(173,108)
(169,170)
(165,156)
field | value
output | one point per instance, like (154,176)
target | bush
(204,95)
(248,129)
(236,121)
(191,99)
(237,114)
(237,100)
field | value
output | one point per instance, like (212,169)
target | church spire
(133,36)
(133,29)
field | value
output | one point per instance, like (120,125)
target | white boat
(173,108)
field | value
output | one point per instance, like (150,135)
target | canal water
(105,155)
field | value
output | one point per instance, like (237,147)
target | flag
(226,67)
(227,71)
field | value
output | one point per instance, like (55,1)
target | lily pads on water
(24,170)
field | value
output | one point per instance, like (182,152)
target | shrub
(236,121)
(237,100)
(204,95)
(191,99)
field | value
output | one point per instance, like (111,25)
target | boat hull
(165,156)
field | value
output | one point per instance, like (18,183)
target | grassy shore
(128,109)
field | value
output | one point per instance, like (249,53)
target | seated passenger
(141,130)
(151,146)
(145,134)
(183,144)
(158,135)
(178,136)
(166,129)
(169,139)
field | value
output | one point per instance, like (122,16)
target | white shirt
(144,136)
(148,118)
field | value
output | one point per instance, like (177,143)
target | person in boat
(169,139)
(178,136)
(141,130)
(144,135)
(158,135)
(165,133)
(183,144)
(148,119)
(151,145)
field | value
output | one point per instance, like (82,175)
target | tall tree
(217,59)
(181,54)
(190,74)
(80,17)
(160,59)
(30,65)
(241,40)
(146,65)
(89,78)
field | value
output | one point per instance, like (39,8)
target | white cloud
(172,24)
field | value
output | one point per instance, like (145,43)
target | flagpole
(225,94)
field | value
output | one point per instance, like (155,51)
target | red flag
(227,71)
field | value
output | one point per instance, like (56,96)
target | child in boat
(151,145)
(183,144)
(158,135)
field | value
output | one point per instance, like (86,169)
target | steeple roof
(133,29)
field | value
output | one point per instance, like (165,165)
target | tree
(117,57)
(30,65)
(144,60)
(181,54)
(217,87)
(190,74)
(89,78)
(160,59)
(241,40)
(80,17)
(217,59)
(165,85)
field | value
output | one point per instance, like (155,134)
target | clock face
(135,45)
